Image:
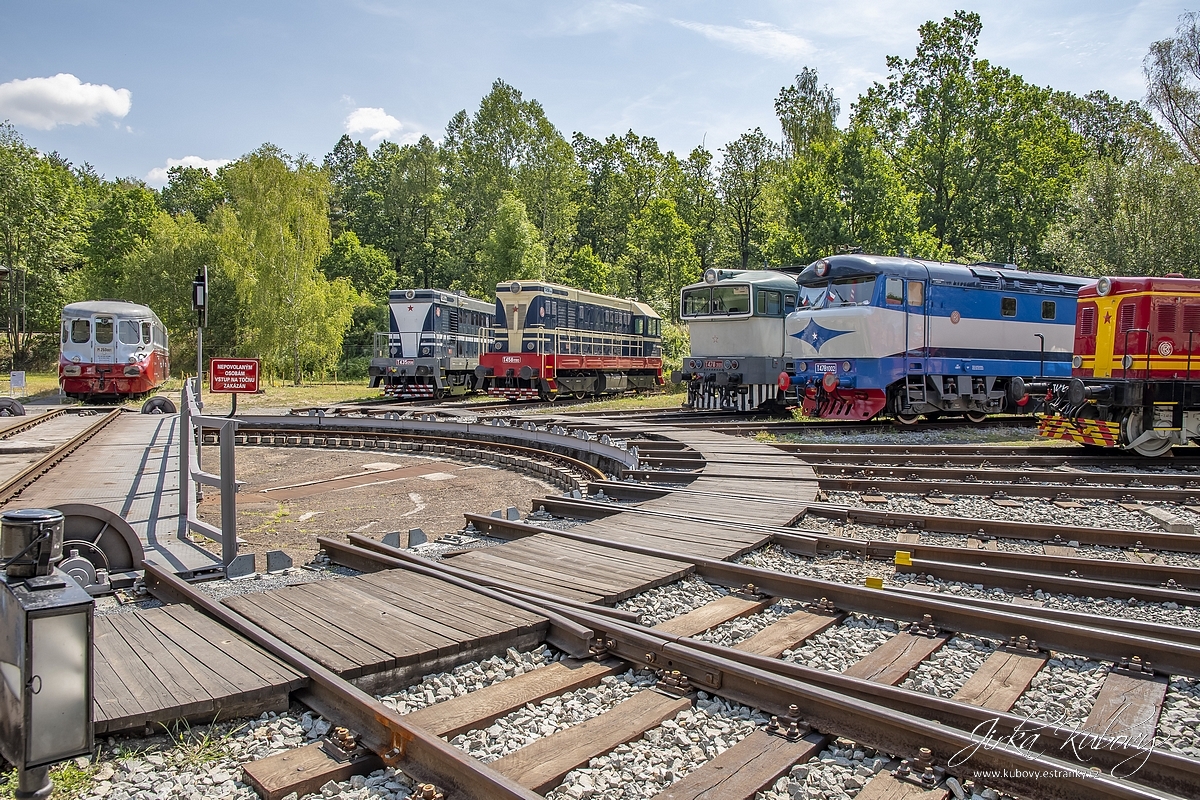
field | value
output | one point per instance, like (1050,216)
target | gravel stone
(1063,691)
(945,672)
(672,600)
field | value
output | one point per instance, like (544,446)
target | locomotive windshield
(841,292)
(128,332)
(731,299)
(104,330)
(81,331)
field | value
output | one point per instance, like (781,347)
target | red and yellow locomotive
(1135,377)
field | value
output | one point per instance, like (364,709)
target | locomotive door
(104,348)
(916,326)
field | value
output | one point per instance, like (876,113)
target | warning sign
(238,375)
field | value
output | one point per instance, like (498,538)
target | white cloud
(760,38)
(379,123)
(605,15)
(158,176)
(45,103)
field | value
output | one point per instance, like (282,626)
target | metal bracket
(748,592)
(788,726)
(673,682)
(923,628)
(342,746)
(598,648)
(1021,644)
(427,791)
(822,606)
(1134,665)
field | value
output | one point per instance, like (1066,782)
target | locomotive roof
(758,277)
(1170,284)
(579,295)
(845,266)
(440,295)
(114,307)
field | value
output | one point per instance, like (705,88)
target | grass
(196,748)
(70,781)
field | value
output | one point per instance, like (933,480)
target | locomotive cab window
(145,333)
(768,303)
(731,300)
(894,292)
(813,296)
(637,326)
(81,331)
(1008,306)
(1048,309)
(104,330)
(128,332)
(853,291)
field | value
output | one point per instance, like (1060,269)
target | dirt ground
(294,495)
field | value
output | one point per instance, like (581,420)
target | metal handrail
(191,477)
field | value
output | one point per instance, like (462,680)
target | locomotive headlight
(801,367)
(75,359)
(132,359)
(1077,362)
(1126,362)
(845,366)
(822,268)
(710,276)
(1103,286)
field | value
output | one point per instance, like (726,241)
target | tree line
(951,157)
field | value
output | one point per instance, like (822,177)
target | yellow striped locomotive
(1135,377)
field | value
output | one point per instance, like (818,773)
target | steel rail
(1182,452)
(25,423)
(984,460)
(1074,480)
(1168,657)
(983,488)
(1057,573)
(327,430)
(399,743)
(367,555)
(1005,529)
(23,479)
(630,642)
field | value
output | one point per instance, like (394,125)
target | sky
(134,88)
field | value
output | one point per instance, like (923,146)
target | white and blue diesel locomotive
(878,334)
(433,345)
(737,344)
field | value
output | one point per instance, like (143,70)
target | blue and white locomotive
(878,334)
(735,326)
(434,344)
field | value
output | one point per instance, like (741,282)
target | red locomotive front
(111,349)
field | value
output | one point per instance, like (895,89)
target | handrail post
(229,542)
(185,465)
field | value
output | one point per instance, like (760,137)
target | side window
(81,331)
(894,292)
(1008,306)
(637,326)
(1048,309)
(66,334)
(768,303)
(145,333)
(916,294)
(789,303)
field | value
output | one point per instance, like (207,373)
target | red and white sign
(237,375)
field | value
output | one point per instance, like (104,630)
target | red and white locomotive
(111,349)
(551,340)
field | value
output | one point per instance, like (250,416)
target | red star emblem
(410,308)
(1107,317)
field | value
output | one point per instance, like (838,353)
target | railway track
(774,626)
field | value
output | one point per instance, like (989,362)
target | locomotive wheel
(907,417)
(579,395)
(159,405)
(11,408)
(1131,429)
(976,417)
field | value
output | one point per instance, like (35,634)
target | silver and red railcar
(551,340)
(111,349)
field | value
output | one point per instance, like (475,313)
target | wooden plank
(484,706)
(449,601)
(1001,680)
(890,662)
(885,787)
(222,650)
(745,769)
(541,765)
(1063,550)
(505,571)
(305,634)
(712,614)
(904,537)
(788,632)
(303,770)
(126,663)
(181,689)
(1128,706)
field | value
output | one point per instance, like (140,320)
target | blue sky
(142,85)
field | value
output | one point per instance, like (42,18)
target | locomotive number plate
(825,367)
(711,364)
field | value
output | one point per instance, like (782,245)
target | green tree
(121,224)
(366,267)
(42,228)
(746,169)
(191,190)
(660,260)
(513,248)
(694,190)
(272,237)
(807,114)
